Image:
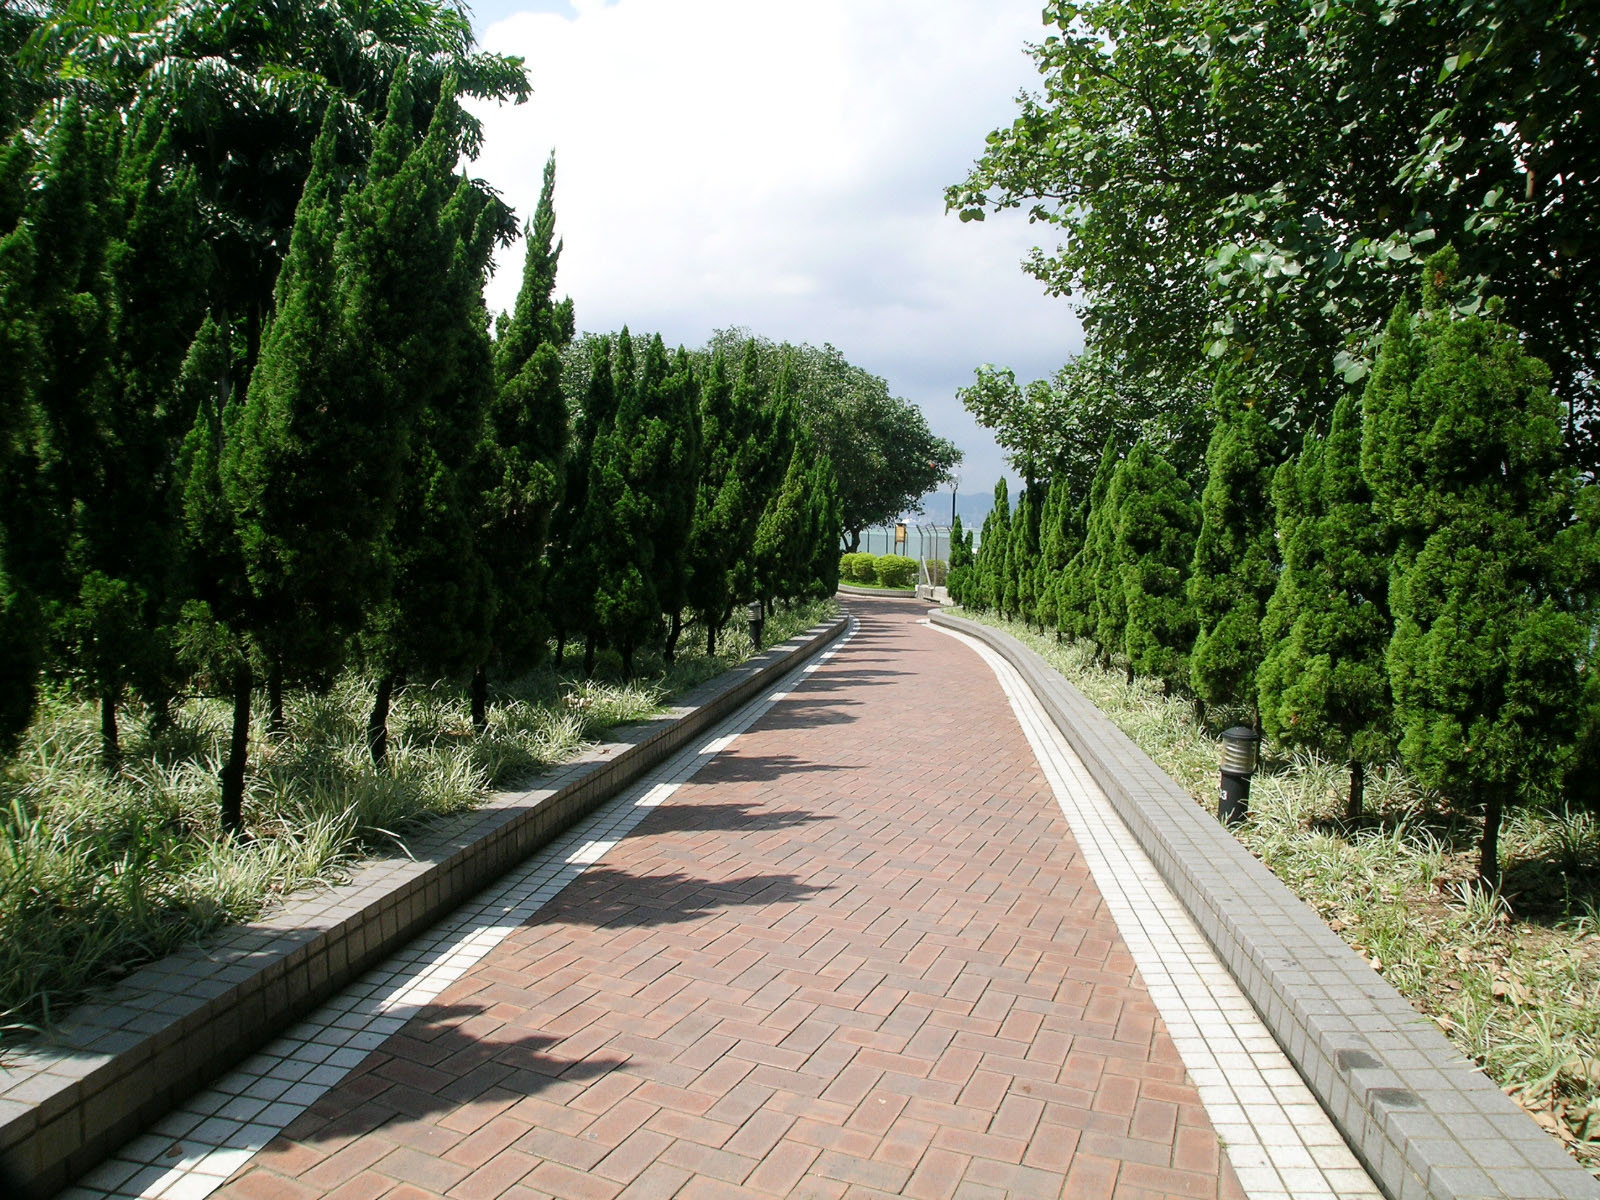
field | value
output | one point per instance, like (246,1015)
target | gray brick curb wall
(1422,1119)
(126,1057)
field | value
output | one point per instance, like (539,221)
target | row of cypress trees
(1416,580)
(373,480)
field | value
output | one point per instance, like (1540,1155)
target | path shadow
(761,768)
(796,712)
(462,1063)
(605,896)
(677,818)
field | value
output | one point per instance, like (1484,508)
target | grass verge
(1512,977)
(102,872)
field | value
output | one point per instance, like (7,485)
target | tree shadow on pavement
(761,768)
(609,897)
(678,818)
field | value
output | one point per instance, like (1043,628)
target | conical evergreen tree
(721,497)
(819,576)
(993,551)
(1023,560)
(573,564)
(20,356)
(1233,573)
(672,472)
(1155,526)
(1079,591)
(1057,544)
(436,619)
(1324,683)
(1484,659)
(960,563)
(781,536)
(521,461)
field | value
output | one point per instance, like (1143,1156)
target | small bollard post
(1239,746)
(758,618)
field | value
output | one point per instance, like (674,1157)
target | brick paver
(857,955)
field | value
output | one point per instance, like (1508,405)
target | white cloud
(781,166)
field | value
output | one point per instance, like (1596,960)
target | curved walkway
(850,949)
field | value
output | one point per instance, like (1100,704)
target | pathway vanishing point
(877,936)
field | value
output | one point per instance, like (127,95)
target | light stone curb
(1424,1121)
(126,1057)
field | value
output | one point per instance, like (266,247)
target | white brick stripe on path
(1280,1142)
(193,1150)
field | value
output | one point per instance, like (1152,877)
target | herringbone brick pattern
(858,955)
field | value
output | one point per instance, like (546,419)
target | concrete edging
(1423,1120)
(122,1060)
(846,589)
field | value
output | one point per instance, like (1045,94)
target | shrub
(896,571)
(857,568)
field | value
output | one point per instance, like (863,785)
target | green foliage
(723,525)
(960,563)
(1080,581)
(1023,556)
(1153,534)
(1061,536)
(521,464)
(895,571)
(1321,149)
(1324,684)
(1233,573)
(884,455)
(858,568)
(1483,662)
(987,590)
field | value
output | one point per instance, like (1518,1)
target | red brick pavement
(857,956)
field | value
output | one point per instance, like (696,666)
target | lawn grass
(1512,977)
(101,872)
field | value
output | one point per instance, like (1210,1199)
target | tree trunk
(855,541)
(1130,672)
(674,632)
(1358,790)
(238,752)
(1489,849)
(561,647)
(480,700)
(1199,713)
(588,657)
(627,660)
(276,724)
(378,722)
(711,638)
(110,742)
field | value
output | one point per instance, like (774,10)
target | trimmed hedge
(878,570)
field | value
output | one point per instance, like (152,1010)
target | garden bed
(102,871)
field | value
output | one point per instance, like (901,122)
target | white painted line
(194,1149)
(1280,1142)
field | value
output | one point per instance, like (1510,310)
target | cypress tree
(621,515)
(1155,525)
(960,563)
(1078,580)
(521,460)
(436,618)
(1023,559)
(673,471)
(824,530)
(1054,550)
(20,355)
(571,585)
(780,538)
(1108,605)
(992,554)
(311,563)
(1324,683)
(1484,658)
(721,496)
(1233,573)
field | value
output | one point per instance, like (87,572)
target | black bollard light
(1239,746)
(758,618)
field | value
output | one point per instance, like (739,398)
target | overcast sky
(781,165)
